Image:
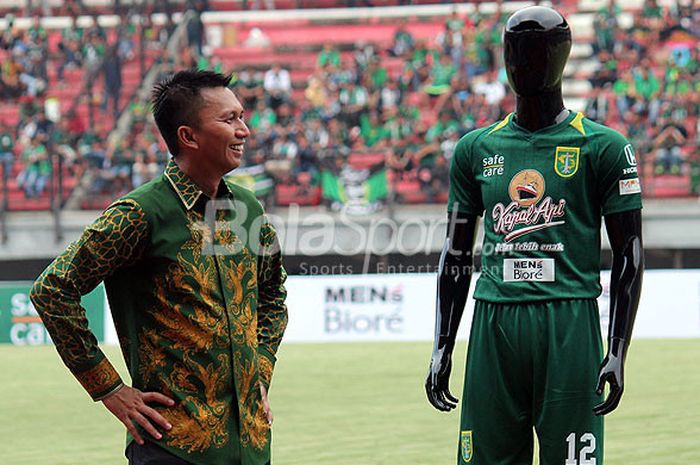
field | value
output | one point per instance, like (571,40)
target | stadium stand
(384,91)
(55,84)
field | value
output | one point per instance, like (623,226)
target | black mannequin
(536,45)
(526,49)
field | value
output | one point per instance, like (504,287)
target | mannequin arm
(625,234)
(454,277)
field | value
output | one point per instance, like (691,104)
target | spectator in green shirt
(440,83)
(678,82)
(652,9)
(354,102)
(604,24)
(625,92)
(373,131)
(444,124)
(37,169)
(403,41)
(7,147)
(262,118)
(329,55)
(377,73)
(249,87)
(36,31)
(454,23)
(195,283)
(441,76)
(645,83)
(62,145)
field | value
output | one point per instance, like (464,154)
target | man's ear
(187,137)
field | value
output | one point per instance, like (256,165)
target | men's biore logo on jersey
(526,189)
(528,269)
(630,186)
(566,161)
(467,446)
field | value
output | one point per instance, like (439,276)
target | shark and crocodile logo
(526,188)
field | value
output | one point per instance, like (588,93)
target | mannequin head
(536,45)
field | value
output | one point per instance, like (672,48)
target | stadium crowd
(647,84)
(34,72)
(409,103)
(413,113)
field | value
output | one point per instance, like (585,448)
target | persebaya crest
(566,161)
(467,446)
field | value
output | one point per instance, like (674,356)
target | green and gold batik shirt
(196,290)
(542,195)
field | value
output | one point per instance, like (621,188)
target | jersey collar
(546,130)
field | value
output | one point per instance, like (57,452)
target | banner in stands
(253,178)
(358,191)
(20,324)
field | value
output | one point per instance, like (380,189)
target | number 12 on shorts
(588,440)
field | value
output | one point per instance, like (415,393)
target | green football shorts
(532,365)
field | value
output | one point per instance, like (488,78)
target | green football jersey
(542,195)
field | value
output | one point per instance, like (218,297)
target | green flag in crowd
(376,186)
(253,178)
(356,187)
(332,187)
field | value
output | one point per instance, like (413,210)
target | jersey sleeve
(619,188)
(465,193)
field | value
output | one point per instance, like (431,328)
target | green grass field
(347,404)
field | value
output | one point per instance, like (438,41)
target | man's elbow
(48,289)
(36,292)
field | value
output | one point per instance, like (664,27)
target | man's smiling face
(221,131)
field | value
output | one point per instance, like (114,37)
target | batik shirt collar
(185,187)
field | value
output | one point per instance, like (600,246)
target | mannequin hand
(437,385)
(612,372)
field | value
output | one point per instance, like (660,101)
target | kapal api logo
(526,188)
(528,207)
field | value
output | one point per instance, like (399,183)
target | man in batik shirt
(195,282)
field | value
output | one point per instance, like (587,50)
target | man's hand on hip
(129,405)
(266,405)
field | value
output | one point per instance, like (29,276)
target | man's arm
(116,239)
(272,311)
(454,277)
(625,234)
(112,241)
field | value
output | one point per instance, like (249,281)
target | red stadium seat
(668,186)
(287,195)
